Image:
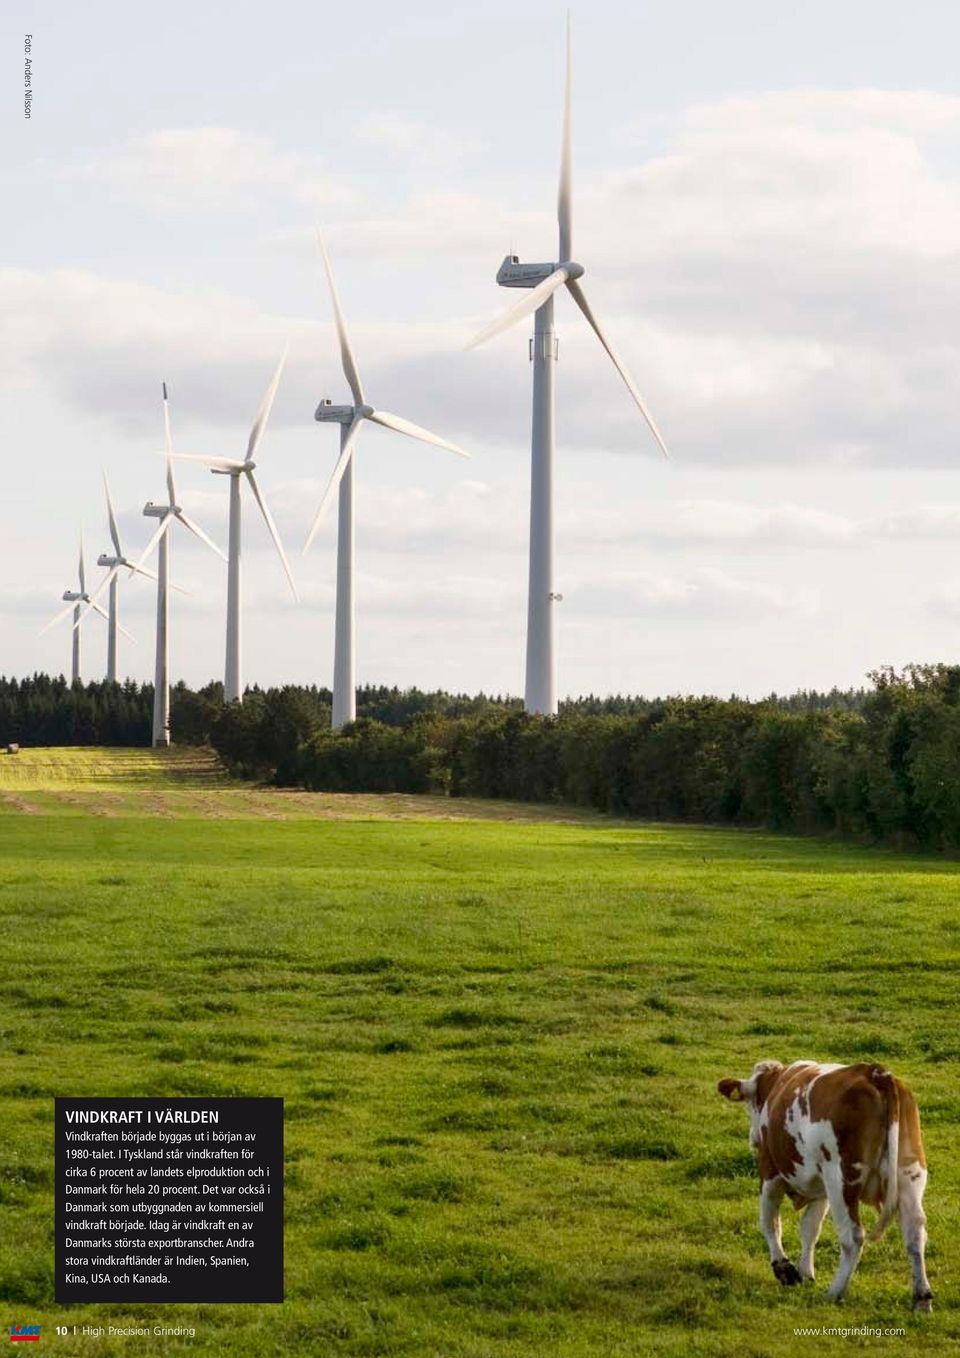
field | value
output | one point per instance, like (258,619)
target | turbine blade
(198,531)
(266,405)
(137,569)
(564,195)
(112,519)
(529,302)
(413,430)
(58,617)
(346,452)
(104,614)
(161,528)
(350,369)
(82,570)
(224,464)
(103,585)
(578,296)
(268,520)
(168,439)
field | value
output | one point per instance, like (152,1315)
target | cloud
(684,522)
(104,345)
(923,521)
(707,594)
(200,166)
(457,594)
(472,516)
(944,602)
(783,281)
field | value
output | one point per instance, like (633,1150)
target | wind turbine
(167,514)
(544,280)
(235,470)
(350,418)
(114,565)
(75,599)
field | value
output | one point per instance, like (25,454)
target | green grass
(499,1045)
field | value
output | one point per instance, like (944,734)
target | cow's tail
(886,1086)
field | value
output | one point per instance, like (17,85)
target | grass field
(498,1039)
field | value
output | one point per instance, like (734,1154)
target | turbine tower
(349,418)
(236,470)
(167,514)
(114,565)
(544,280)
(75,599)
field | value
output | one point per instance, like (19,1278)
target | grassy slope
(499,1046)
(88,780)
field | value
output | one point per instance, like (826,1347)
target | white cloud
(105,345)
(685,522)
(194,166)
(921,521)
(707,594)
(784,283)
(944,602)
(457,594)
(915,111)
(473,516)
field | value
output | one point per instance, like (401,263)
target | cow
(834,1137)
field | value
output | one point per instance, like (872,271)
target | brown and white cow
(836,1136)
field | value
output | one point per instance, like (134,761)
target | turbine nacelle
(327,413)
(71,596)
(152,511)
(513,274)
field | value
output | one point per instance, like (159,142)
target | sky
(767,208)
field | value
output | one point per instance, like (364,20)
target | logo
(24,1332)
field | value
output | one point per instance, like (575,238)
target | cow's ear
(731,1089)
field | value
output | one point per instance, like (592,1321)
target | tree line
(49,710)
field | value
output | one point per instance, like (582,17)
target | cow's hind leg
(771,1196)
(846,1219)
(810,1223)
(913,1225)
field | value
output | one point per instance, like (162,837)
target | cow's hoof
(924,1302)
(786,1273)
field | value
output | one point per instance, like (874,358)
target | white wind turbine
(544,280)
(168,514)
(237,470)
(350,418)
(114,565)
(75,601)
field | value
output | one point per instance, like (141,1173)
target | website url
(848,1332)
